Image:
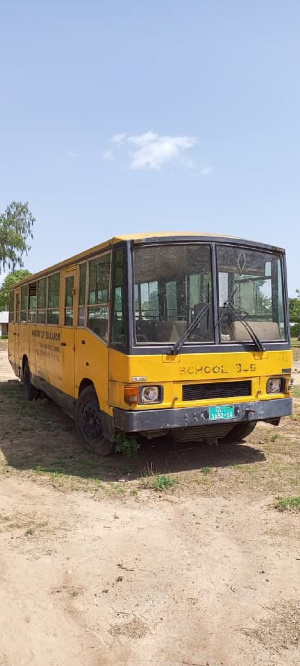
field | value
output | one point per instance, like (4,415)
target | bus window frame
(70,271)
(48,323)
(26,310)
(107,304)
(189,347)
(125,247)
(82,263)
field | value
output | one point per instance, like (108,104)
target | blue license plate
(221,412)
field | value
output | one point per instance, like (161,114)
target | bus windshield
(250,290)
(172,282)
(175,283)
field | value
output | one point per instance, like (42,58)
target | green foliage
(15,229)
(288,503)
(294,312)
(294,308)
(127,445)
(295,331)
(10,280)
(163,482)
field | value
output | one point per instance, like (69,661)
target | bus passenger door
(16,332)
(67,338)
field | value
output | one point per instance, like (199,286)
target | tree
(15,230)
(10,280)
(294,307)
(294,310)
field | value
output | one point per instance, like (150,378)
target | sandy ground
(204,578)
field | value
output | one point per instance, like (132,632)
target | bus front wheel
(89,425)
(31,392)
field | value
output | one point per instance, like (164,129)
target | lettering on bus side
(49,335)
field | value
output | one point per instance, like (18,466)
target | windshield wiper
(175,349)
(239,315)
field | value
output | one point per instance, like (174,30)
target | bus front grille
(217,390)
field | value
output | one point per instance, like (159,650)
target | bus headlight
(274,385)
(150,394)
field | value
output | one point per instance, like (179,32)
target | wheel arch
(83,384)
(24,362)
(107,420)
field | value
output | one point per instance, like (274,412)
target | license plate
(221,412)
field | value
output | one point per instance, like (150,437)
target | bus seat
(265,330)
(145,329)
(103,329)
(181,327)
(169,331)
(100,328)
(163,331)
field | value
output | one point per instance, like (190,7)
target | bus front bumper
(167,419)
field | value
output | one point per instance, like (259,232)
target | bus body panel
(192,369)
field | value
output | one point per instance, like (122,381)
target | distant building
(3,323)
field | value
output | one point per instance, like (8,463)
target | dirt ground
(178,556)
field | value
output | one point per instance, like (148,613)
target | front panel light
(274,385)
(149,394)
(131,394)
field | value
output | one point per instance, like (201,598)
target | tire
(88,424)
(31,393)
(239,432)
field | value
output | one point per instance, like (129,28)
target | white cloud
(155,151)
(73,154)
(206,171)
(152,151)
(118,138)
(108,155)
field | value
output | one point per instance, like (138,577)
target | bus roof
(147,237)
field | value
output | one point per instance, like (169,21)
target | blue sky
(128,116)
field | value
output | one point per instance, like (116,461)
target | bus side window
(82,294)
(32,303)
(11,307)
(98,303)
(18,309)
(53,299)
(69,301)
(24,303)
(41,301)
(118,323)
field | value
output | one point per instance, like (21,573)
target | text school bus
(181,333)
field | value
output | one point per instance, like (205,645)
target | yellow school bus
(170,333)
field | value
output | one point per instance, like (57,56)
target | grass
(295,342)
(288,504)
(127,445)
(118,488)
(163,482)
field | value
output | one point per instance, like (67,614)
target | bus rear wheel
(89,425)
(31,393)
(239,432)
